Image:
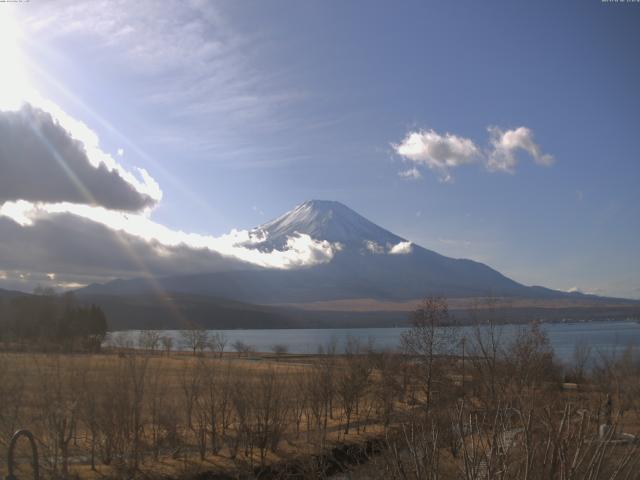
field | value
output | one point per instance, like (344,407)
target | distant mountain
(175,311)
(151,311)
(371,263)
(7,294)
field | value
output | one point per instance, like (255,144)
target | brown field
(53,389)
(501,408)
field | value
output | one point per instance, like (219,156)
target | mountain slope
(370,263)
(9,294)
(326,220)
(178,310)
(378,261)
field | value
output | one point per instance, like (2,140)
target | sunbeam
(15,87)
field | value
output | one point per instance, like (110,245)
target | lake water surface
(605,337)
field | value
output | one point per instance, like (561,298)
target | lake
(605,337)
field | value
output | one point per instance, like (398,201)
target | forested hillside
(52,322)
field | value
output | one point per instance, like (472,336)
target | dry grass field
(176,414)
(503,411)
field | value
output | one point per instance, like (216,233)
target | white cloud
(70,285)
(299,250)
(443,153)
(402,248)
(593,291)
(81,250)
(411,173)
(18,212)
(374,247)
(505,144)
(438,152)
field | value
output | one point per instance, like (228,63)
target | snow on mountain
(333,222)
(369,262)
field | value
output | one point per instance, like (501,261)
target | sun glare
(14,84)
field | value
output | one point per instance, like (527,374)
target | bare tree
(12,388)
(388,389)
(324,386)
(242,348)
(353,380)
(412,452)
(242,410)
(212,391)
(617,374)
(167,344)
(157,407)
(59,406)
(580,361)
(431,334)
(487,350)
(149,340)
(299,397)
(218,343)
(136,370)
(122,341)
(279,350)
(195,338)
(530,362)
(193,384)
(556,442)
(89,409)
(317,403)
(113,412)
(269,410)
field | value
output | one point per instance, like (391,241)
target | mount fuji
(329,221)
(372,278)
(368,262)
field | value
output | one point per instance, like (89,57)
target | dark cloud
(41,162)
(79,250)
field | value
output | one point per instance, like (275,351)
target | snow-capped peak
(327,220)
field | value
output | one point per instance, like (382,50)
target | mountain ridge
(366,264)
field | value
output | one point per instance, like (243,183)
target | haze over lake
(603,337)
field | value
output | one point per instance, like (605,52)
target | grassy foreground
(496,410)
(113,414)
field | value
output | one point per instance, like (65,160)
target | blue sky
(241,110)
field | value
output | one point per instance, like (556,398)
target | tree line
(49,321)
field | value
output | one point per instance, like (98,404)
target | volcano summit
(367,262)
